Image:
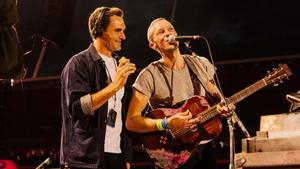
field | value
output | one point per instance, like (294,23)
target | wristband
(164,123)
(159,125)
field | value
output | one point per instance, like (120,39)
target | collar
(93,53)
(95,56)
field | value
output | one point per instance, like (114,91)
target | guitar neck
(246,92)
(212,112)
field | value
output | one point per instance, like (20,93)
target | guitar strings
(177,132)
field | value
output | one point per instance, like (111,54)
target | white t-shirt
(112,136)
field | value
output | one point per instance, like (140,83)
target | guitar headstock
(278,75)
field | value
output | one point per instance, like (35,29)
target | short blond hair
(149,32)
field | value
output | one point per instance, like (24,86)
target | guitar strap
(197,83)
(169,100)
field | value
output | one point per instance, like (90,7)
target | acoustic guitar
(172,148)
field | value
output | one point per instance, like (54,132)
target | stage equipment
(276,145)
(294,99)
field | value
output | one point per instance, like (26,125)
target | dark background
(247,38)
(236,30)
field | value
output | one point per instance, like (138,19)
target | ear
(103,36)
(152,45)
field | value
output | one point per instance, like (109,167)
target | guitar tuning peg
(274,83)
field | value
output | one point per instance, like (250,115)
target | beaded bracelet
(162,124)
(159,125)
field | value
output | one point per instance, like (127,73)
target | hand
(127,165)
(224,110)
(180,120)
(124,69)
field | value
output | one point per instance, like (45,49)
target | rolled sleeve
(76,88)
(143,83)
(86,104)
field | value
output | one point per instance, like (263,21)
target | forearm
(141,124)
(135,121)
(101,97)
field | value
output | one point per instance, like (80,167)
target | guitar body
(170,149)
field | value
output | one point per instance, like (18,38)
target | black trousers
(111,161)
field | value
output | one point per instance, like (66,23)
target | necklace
(110,76)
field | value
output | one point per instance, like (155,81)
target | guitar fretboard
(246,92)
(212,112)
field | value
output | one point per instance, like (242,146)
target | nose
(169,37)
(123,36)
(169,33)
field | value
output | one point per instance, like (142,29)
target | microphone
(116,56)
(184,38)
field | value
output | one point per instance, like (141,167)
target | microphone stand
(237,120)
(231,128)
(44,163)
(231,119)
